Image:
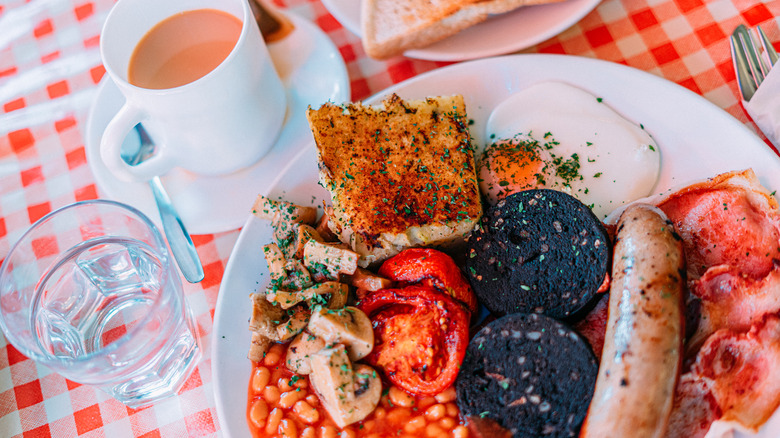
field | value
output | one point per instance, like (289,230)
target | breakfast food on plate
(329,376)
(538,251)
(730,219)
(740,370)
(592,325)
(390,27)
(642,352)
(399,176)
(314,315)
(421,327)
(421,337)
(408,331)
(730,227)
(570,141)
(530,374)
(363,330)
(433,269)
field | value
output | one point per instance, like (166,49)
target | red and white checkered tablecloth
(49,69)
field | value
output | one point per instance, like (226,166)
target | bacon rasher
(730,226)
(733,301)
(741,371)
(730,219)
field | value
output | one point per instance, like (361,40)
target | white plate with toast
(500,34)
(696,138)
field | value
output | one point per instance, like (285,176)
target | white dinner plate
(696,138)
(312,71)
(500,34)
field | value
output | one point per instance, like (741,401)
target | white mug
(224,121)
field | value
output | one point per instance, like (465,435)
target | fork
(750,65)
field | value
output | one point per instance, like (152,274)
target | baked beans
(281,404)
(290,398)
(435,412)
(271,394)
(274,355)
(274,421)
(260,378)
(258,412)
(399,397)
(288,429)
(306,412)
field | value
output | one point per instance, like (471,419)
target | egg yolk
(510,166)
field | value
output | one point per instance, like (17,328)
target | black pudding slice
(530,374)
(538,251)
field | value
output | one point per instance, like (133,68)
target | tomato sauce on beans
(282,404)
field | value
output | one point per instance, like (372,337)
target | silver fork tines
(768,47)
(750,65)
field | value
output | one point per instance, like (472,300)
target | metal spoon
(178,238)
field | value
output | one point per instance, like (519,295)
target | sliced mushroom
(348,394)
(284,235)
(284,299)
(323,226)
(259,347)
(337,292)
(266,208)
(305,234)
(276,262)
(265,316)
(330,294)
(318,256)
(262,326)
(368,281)
(275,323)
(298,318)
(298,276)
(348,326)
(298,359)
(285,218)
(327,226)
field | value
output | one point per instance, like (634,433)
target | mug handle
(114,135)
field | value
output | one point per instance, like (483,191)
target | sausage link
(641,360)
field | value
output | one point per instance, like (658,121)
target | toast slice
(390,27)
(399,176)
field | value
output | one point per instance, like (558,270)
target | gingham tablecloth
(49,69)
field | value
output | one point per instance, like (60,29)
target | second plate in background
(500,34)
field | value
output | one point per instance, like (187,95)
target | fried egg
(557,136)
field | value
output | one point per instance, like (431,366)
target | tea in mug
(183,48)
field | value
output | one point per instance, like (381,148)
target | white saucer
(312,71)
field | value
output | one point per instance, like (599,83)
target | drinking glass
(90,291)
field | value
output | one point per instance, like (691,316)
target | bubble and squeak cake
(400,175)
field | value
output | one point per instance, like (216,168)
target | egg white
(618,160)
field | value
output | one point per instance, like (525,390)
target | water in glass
(90,292)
